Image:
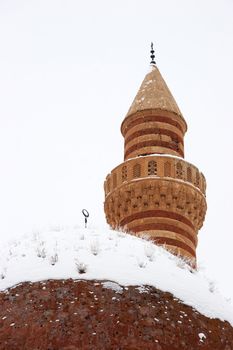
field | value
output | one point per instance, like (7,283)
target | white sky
(69,71)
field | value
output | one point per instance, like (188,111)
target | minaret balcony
(160,196)
(155,167)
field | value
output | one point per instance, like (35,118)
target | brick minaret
(155,192)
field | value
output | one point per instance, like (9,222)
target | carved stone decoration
(157,193)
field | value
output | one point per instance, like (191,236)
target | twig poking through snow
(3,274)
(40,250)
(54,259)
(121,234)
(95,247)
(212,286)
(82,237)
(141,263)
(81,267)
(149,251)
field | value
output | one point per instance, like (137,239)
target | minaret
(155,192)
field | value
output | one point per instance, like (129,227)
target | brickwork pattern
(162,197)
(151,193)
(166,166)
(152,132)
(169,212)
(71,315)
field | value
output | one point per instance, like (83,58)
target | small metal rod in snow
(86,215)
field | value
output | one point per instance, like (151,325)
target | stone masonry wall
(162,197)
(87,315)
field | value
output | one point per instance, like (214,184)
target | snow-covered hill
(108,255)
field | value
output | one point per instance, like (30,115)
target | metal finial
(86,215)
(152,56)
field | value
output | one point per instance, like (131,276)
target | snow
(116,258)
(202,336)
(151,68)
(159,155)
(114,286)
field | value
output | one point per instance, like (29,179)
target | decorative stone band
(164,226)
(148,115)
(148,147)
(157,213)
(160,166)
(163,233)
(153,131)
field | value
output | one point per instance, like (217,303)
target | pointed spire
(152,56)
(154,94)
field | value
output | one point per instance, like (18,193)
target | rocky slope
(75,314)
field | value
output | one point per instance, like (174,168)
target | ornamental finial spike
(152,56)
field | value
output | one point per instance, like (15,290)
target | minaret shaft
(155,192)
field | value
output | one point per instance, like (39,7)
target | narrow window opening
(124,173)
(197,178)
(167,169)
(189,174)
(137,170)
(179,171)
(152,168)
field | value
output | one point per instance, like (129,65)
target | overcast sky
(69,71)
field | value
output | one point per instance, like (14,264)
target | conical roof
(154,94)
